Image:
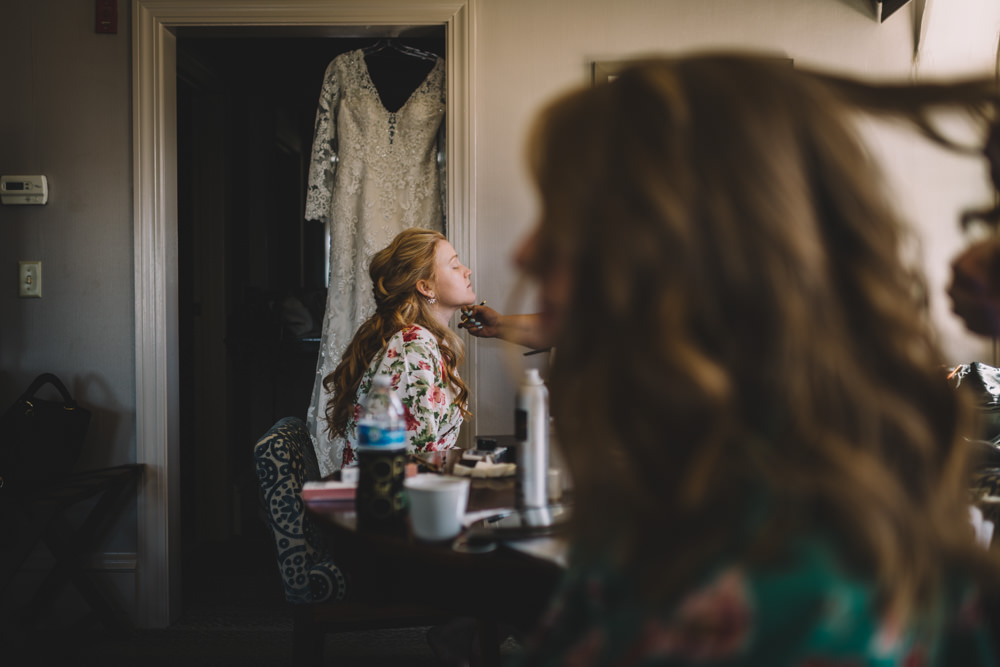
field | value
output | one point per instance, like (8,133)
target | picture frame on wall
(605,71)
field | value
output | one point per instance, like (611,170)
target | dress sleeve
(414,360)
(323,163)
(442,163)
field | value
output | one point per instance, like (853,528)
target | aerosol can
(531,429)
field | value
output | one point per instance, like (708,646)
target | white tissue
(485,469)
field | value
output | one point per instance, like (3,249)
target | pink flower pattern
(437,395)
(415,365)
(411,422)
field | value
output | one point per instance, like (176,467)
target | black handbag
(40,440)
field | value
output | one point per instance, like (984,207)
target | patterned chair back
(285,459)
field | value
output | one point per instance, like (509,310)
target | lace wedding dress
(373,173)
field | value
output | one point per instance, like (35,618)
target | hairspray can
(531,428)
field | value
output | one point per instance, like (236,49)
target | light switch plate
(29,277)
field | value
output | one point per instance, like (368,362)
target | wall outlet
(29,279)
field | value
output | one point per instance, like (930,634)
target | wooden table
(502,586)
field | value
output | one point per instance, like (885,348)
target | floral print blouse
(810,613)
(413,361)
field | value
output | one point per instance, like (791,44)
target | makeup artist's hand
(975,287)
(523,329)
(481,321)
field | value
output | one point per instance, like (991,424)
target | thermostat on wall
(24,189)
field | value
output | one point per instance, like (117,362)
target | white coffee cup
(437,505)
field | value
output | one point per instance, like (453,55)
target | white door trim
(155,229)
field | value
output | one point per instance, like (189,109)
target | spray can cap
(531,376)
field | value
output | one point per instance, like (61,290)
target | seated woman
(769,464)
(419,284)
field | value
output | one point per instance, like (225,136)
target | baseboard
(115,573)
(98,562)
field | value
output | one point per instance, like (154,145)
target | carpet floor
(233,615)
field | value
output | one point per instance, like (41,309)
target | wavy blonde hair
(745,356)
(395,272)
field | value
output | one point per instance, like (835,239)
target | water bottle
(531,429)
(381,422)
(381,502)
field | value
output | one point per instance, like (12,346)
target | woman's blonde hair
(395,272)
(745,355)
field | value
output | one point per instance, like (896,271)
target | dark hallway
(252,271)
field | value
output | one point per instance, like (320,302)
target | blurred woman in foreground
(768,461)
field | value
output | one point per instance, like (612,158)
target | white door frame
(154,136)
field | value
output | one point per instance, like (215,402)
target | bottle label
(374,436)
(521,424)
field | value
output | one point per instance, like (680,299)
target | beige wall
(529,49)
(65,112)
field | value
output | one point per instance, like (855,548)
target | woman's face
(451,284)
(551,269)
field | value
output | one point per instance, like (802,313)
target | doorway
(251,272)
(155,24)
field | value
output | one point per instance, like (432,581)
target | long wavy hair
(395,271)
(745,355)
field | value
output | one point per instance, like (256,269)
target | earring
(431,300)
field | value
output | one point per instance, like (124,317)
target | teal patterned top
(808,613)
(412,359)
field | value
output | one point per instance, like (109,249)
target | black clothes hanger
(397,70)
(398,47)
(375,47)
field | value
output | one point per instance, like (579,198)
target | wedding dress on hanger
(373,173)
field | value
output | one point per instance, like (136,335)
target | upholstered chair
(285,461)
(315,586)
